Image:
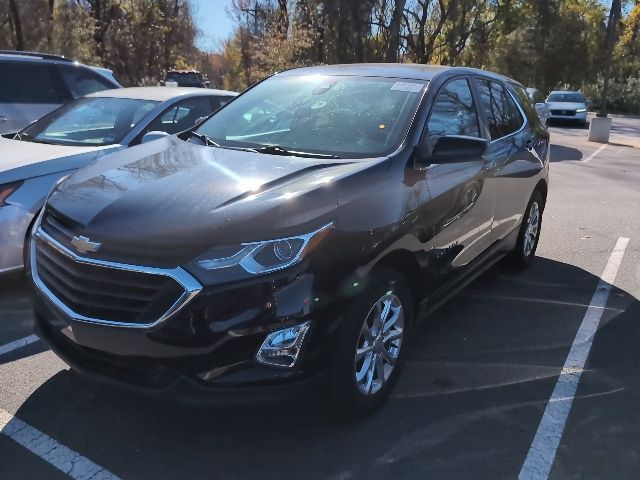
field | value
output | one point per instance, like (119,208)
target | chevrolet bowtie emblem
(84,245)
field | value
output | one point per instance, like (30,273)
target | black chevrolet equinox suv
(305,228)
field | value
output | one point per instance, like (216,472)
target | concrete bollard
(599,129)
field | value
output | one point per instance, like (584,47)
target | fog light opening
(282,347)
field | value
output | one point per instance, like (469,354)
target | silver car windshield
(89,122)
(566,97)
(345,116)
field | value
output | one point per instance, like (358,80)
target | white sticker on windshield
(407,86)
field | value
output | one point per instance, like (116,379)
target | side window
(453,112)
(22,82)
(527,104)
(182,115)
(82,81)
(502,114)
(224,100)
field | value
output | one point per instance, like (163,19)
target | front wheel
(371,346)
(525,250)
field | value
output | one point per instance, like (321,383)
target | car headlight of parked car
(267,256)
(6,190)
(581,110)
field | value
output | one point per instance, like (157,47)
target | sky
(212,19)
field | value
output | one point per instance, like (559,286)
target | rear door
(28,91)
(514,155)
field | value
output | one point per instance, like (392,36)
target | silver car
(73,136)
(568,105)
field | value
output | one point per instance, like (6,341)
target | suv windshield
(566,97)
(89,121)
(354,117)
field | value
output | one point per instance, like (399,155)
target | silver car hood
(20,160)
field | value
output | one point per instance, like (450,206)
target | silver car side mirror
(155,135)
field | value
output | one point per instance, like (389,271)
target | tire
(352,394)
(525,251)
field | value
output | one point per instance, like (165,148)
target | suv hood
(172,192)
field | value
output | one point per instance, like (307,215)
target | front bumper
(163,381)
(577,117)
(208,347)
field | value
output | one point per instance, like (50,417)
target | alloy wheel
(379,344)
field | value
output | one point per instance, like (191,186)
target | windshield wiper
(205,139)
(278,150)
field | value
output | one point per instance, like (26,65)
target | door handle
(3,119)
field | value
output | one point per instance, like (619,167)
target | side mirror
(451,149)
(151,136)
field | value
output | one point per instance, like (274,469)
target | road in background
(469,401)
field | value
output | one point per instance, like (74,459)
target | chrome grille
(98,291)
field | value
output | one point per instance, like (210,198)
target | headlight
(267,256)
(581,110)
(6,190)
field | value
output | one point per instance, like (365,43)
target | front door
(461,207)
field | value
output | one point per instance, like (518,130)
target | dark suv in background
(34,84)
(186,78)
(306,227)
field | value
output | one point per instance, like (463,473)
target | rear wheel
(525,250)
(371,346)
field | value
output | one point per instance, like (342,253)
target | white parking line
(21,342)
(534,300)
(52,452)
(542,452)
(594,154)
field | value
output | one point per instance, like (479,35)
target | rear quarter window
(81,81)
(527,104)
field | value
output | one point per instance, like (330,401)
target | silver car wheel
(379,344)
(532,227)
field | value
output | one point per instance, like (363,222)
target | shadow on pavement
(569,124)
(560,153)
(468,404)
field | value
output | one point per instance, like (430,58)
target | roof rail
(45,56)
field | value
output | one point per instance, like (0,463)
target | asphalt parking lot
(471,401)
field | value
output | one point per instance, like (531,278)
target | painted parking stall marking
(542,452)
(16,344)
(52,452)
(595,154)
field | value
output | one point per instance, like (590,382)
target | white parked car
(81,132)
(568,105)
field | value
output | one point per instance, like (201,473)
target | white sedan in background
(81,132)
(568,105)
